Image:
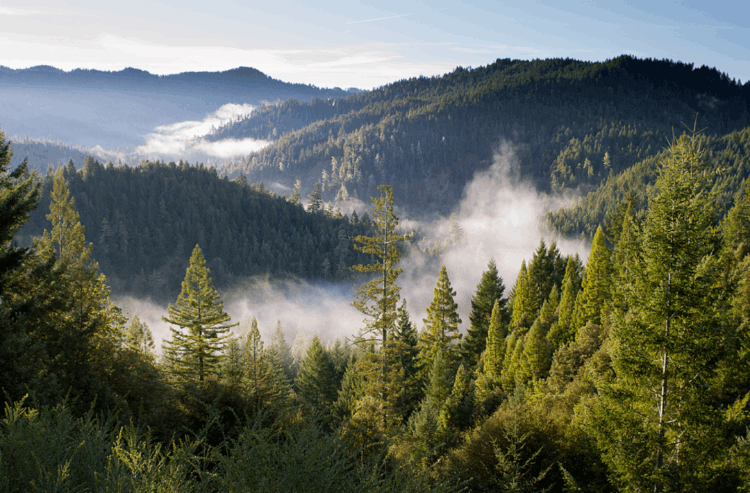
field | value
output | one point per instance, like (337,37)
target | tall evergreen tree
(254,354)
(316,381)
(199,309)
(658,423)
(489,292)
(524,299)
(84,318)
(19,195)
(495,352)
(596,290)
(440,334)
(377,298)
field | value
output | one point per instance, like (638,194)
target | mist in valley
(497,218)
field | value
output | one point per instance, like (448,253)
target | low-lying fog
(499,218)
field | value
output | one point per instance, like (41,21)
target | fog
(184,140)
(499,215)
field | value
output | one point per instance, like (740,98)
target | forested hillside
(730,154)
(144,221)
(572,123)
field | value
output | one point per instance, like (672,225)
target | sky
(365,44)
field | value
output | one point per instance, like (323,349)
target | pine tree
(254,354)
(495,352)
(596,289)
(283,350)
(440,334)
(524,299)
(138,337)
(19,195)
(300,346)
(489,292)
(377,298)
(658,423)
(316,381)
(561,331)
(199,309)
(85,321)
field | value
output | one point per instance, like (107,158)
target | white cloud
(183,139)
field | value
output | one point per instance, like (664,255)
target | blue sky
(365,44)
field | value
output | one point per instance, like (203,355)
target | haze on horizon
(364,44)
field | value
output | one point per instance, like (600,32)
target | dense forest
(626,372)
(145,220)
(573,125)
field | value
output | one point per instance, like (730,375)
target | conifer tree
(138,337)
(199,310)
(84,318)
(524,299)
(495,352)
(254,354)
(440,334)
(596,289)
(377,298)
(316,381)
(561,331)
(300,346)
(658,423)
(283,351)
(489,292)
(19,195)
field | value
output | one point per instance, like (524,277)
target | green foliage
(658,423)
(316,381)
(195,355)
(145,219)
(440,334)
(378,297)
(495,351)
(524,299)
(594,302)
(489,292)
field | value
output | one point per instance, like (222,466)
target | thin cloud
(380,18)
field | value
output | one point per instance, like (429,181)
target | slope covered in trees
(144,221)
(573,125)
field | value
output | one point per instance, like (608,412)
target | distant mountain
(116,109)
(42,153)
(572,124)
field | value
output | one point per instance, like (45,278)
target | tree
(596,289)
(138,337)
(284,352)
(440,334)
(254,353)
(198,309)
(378,297)
(489,293)
(658,423)
(295,197)
(19,195)
(495,352)
(84,332)
(316,381)
(316,199)
(524,299)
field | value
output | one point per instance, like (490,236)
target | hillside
(144,221)
(571,123)
(730,155)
